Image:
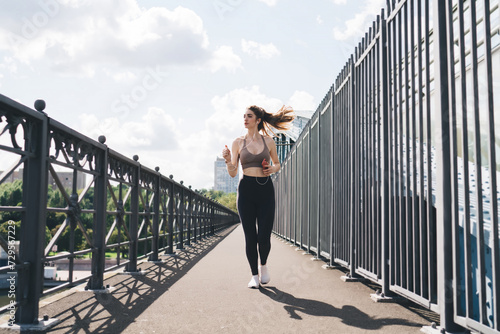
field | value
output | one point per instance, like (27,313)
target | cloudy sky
(169,80)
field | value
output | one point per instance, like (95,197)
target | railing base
(330,267)
(42,325)
(106,290)
(174,254)
(382,298)
(349,278)
(133,273)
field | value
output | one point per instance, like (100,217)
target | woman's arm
(274,157)
(232,159)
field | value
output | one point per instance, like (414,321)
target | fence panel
(413,233)
(100,201)
(342,168)
(474,53)
(368,101)
(415,191)
(325,176)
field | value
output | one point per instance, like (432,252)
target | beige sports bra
(249,159)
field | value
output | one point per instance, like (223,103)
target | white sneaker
(254,282)
(264,275)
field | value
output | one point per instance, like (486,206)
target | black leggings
(256,203)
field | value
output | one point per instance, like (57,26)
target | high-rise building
(222,180)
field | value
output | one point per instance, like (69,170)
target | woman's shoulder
(239,139)
(269,140)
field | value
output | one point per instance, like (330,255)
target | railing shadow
(349,314)
(88,312)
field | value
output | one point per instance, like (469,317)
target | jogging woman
(259,159)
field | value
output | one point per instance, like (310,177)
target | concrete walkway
(203,290)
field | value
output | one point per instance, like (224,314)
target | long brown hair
(281,120)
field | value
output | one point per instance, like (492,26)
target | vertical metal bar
(378,146)
(385,150)
(395,173)
(391,41)
(318,201)
(170,218)
(431,219)
(156,217)
(371,149)
(181,218)
(454,155)
(479,179)
(353,198)
(32,238)
(465,158)
(412,168)
(332,174)
(400,157)
(494,239)
(362,228)
(444,218)
(423,255)
(134,219)
(405,132)
(213,221)
(99,228)
(309,192)
(119,219)
(189,217)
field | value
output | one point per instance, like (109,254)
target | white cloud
(259,51)
(153,131)
(224,58)
(270,3)
(319,19)
(357,26)
(301,100)
(82,36)
(340,2)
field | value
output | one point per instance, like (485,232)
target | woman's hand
(226,154)
(267,168)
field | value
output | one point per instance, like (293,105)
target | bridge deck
(203,290)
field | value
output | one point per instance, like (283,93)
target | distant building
(285,139)
(222,180)
(66,179)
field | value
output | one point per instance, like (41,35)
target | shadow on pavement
(89,312)
(349,315)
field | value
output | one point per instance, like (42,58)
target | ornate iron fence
(132,210)
(395,176)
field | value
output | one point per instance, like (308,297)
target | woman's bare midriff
(254,171)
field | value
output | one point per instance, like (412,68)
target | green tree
(226,199)
(11,194)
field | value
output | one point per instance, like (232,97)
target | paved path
(203,290)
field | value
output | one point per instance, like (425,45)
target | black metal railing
(123,207)
(395,176)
